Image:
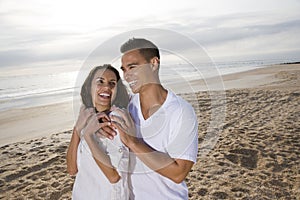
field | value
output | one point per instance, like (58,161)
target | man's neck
(151,99)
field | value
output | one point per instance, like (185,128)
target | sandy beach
(256,154)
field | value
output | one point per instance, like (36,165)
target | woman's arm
(71,157)
(72,153)
(101,158)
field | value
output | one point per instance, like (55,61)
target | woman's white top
(90,182)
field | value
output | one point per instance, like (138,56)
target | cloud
(242,34)
(223,35)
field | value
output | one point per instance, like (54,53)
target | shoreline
(60,117)
(268,76)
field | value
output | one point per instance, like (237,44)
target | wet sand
(256,154)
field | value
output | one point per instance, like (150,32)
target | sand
(21,124)
(256,154)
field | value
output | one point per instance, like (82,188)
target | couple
(142,152)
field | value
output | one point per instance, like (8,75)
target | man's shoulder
(178,100)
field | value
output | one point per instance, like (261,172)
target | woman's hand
(121,119)
(84,115)
(93,125)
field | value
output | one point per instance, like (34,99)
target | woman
(101,164)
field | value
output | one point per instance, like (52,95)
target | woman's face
(103,88)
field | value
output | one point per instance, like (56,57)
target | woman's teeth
(105,95)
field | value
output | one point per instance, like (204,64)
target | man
(163,131)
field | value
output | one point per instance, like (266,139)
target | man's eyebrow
(130,64)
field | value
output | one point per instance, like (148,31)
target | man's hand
(121,119)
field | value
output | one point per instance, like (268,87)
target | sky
(63,33)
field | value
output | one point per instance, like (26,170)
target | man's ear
(155,63)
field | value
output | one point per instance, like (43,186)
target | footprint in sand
(244,157)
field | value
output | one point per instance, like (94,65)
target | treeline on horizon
(290,63)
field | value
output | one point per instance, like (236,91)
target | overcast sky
(65,32)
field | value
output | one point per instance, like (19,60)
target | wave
(37,92)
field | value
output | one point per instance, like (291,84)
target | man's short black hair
(145,47)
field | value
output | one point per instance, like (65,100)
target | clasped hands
(117,121)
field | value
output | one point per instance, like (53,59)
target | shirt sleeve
(184,139)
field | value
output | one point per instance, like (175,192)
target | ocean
(28,88)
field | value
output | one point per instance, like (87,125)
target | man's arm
(174,169)
(162,163)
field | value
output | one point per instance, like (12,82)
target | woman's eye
(99,81)
(113,84)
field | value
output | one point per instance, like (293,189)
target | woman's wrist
(76,131)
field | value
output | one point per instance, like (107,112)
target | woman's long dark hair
(122,98)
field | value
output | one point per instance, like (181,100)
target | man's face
(136,70)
